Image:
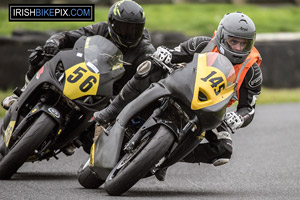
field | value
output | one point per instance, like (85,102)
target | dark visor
(129,32)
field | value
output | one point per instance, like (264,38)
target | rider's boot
(127,94)
(217,152)
(224,143)
(133,88)
(8,101)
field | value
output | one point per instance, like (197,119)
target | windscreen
(101,55)
(222,63)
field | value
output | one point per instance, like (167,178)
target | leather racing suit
(220,144)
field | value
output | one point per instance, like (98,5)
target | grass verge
(190,19)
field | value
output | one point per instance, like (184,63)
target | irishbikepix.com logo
(51,12)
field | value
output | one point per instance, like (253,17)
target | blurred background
(171,22)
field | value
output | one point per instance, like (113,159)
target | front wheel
(30,140)
(135,165)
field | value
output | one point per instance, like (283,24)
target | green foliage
(4,94)
(190,19)
(203,19)
(269,96)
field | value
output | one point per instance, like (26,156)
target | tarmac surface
(265,165)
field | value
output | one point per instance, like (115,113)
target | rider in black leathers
(219,149)
(124,28)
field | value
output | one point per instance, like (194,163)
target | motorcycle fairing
(103,57)
(102,62)
(176,85)
(108,151)
(80,78)
(212,83)
(189,92)
(203,79)
(8,132)
(80,81)
(82,73)
(154,92)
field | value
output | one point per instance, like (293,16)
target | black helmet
(236,26)
(126,22)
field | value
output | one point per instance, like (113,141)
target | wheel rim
(127,158)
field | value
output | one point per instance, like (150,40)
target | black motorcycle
(162,125)
(176,111)
(53,114)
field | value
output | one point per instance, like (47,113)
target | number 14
(216,82)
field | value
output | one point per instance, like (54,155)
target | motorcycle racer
(234,38)
(125,28)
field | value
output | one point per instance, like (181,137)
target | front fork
(187,138)
(190,137)
(131,145)
(12,132)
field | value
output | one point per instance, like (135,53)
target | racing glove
(51,48)
(163,54)
(233,120)
(36,56)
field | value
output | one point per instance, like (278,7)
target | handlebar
(169,68)
(41,50)
(38,56)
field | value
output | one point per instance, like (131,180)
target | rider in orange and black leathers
(235,39)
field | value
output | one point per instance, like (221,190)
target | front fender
(154,121)
(51,111)
(11,129)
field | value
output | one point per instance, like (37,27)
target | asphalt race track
(265,165)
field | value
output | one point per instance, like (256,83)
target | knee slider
(144,68)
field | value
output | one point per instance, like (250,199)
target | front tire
(131,168)
(30,140)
